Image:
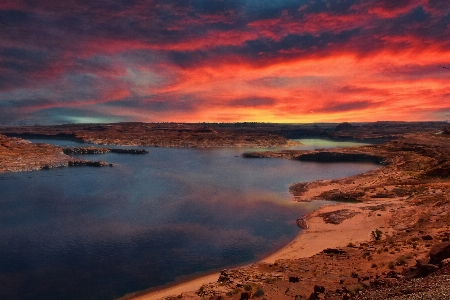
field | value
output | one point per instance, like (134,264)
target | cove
(99,233)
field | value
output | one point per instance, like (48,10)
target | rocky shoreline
(18,155)
(392,242)
(97,150)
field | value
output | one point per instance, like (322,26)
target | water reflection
(98,233)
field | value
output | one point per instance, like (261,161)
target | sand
(309,242)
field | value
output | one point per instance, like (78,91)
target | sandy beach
(319,236)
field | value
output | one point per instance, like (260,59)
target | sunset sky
(224,61)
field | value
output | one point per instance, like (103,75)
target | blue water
(99,233)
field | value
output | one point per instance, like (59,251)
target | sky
(284,61)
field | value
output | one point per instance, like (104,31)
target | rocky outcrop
(442,170)
(18,155)
(301,222)
(84,150)
(128,151)
(78,163)
(338,216)
(446,130)
(344,126)
(97,150)
(439,252)
(339,157)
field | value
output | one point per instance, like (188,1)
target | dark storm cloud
(55,53)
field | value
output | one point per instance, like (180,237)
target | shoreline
(308,242)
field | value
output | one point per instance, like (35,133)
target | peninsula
(387,235)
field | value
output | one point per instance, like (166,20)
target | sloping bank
(338,258)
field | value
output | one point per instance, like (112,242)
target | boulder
(224,277)
(301,222)
(319,289)
(427,237)
(444,263)
(293,279)
(245,295)
(439,252)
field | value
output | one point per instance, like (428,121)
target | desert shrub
(376,234)
(237,291)
(201,290)
(248,287)
(391,265)
(401,261)
(350,244)
(259,292)
(374,265)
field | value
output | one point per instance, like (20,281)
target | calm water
(98,233)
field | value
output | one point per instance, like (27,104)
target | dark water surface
(99,233)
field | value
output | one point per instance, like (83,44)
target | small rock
(346,297)
(427,237)
(391,274)
(293,279)
(319,289)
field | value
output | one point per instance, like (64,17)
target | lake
(99,233)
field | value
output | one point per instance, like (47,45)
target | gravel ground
(435,287)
